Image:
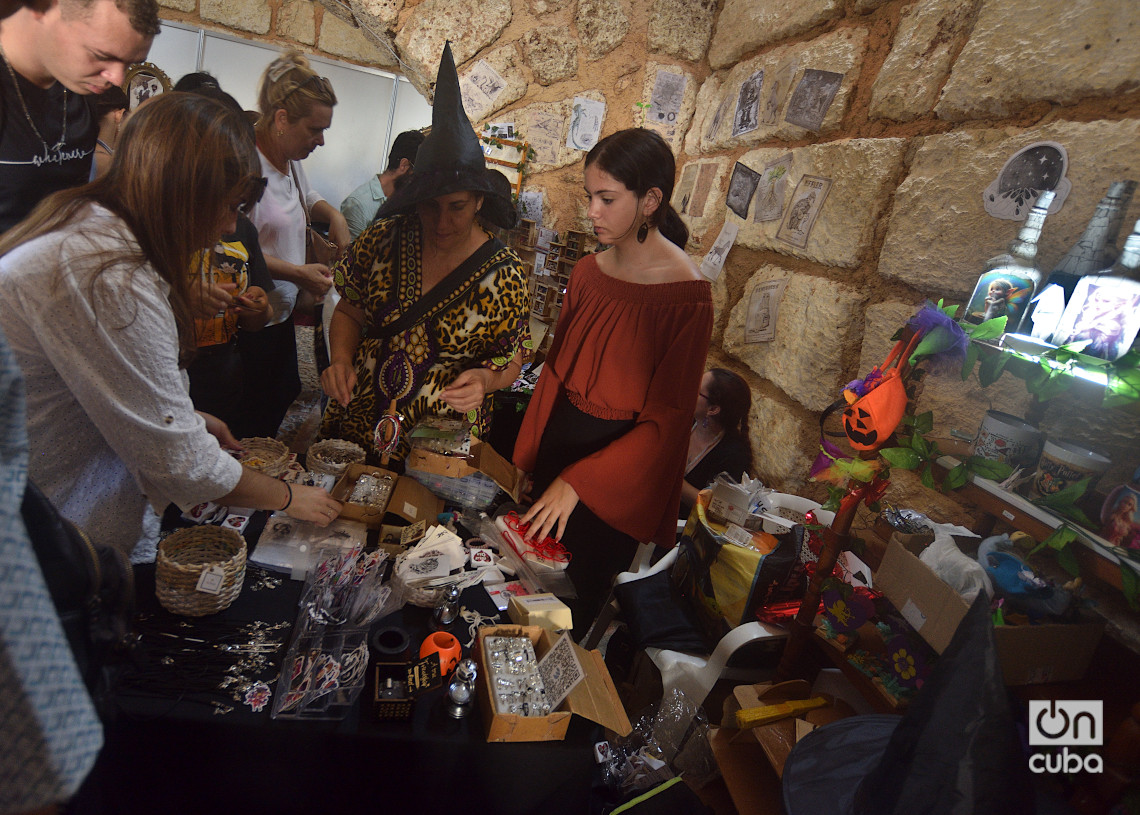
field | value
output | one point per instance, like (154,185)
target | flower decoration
(907,663)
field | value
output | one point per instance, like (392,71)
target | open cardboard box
(410,500)
(595,697)
(1029,654)
(482,459)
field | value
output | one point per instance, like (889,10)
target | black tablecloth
(168,756)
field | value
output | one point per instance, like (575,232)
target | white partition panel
(368,115)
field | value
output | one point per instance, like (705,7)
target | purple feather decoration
(943,342)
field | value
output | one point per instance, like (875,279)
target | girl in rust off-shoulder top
(605,436)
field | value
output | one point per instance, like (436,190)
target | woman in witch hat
(434,311)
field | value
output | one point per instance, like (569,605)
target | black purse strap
(444,292)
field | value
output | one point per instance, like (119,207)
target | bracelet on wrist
(289,500)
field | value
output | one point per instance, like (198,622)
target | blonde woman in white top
(296,107)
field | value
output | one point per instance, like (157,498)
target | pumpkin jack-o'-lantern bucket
(874,414)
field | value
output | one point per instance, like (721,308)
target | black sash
(444,291)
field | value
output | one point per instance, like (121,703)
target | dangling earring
(280,133)
(643,232)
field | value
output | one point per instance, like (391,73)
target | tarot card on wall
(772,190)
(1103,313)
(812,97)
(807,201)
(747,116)
(1000,293)
(741,187)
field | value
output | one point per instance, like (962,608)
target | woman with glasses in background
(718,442)
(98,309)
(296,107)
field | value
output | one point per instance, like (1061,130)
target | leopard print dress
(485,326)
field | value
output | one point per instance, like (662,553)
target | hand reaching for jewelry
(551,512)
(313,504)
(467,390)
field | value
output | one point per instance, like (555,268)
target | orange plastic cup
(448,648)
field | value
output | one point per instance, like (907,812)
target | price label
(211,579)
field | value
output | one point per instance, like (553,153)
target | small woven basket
(184,555)
(332,456)
(265,455)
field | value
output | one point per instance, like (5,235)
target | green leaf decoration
(902,457)
(924,422)
(1066,496)
(834,497)
(855,468)
(1123,387)
(1067,560)
(993,470)
(990,329)
(971,360)
(920,446)
(955,478)
(1130,584)
(928,477)
(937,340)
(1062,536)
(991,369)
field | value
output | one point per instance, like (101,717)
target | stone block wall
(935,96)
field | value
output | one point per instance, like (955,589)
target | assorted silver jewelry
(27,114)
(205,660)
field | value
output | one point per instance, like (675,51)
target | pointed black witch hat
(955,750)
(451,160)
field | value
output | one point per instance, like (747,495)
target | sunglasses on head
(255,188)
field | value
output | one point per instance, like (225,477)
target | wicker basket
(265,455)
(184,555)
(332,456)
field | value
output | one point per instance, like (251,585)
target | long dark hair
(641,160)
(731,394)
(182,159)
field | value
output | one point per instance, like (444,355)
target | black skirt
(597,550)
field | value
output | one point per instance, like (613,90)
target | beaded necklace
(27,115)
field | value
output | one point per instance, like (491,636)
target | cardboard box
(409,500)
(544,610)
(483,459)
(729,502)
(595,697)
(1029,654)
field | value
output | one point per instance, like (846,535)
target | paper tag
(739,535)
(211,579)
(410,510)
(413,533)
(602,752)
(913,615)
(1005,513)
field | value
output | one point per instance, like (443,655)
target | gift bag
(727,582)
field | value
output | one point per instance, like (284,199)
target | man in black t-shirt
(53,60)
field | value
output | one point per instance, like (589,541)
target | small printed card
(560,670)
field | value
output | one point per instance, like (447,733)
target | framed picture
(1104,312)
(1001,292)
(143,81)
